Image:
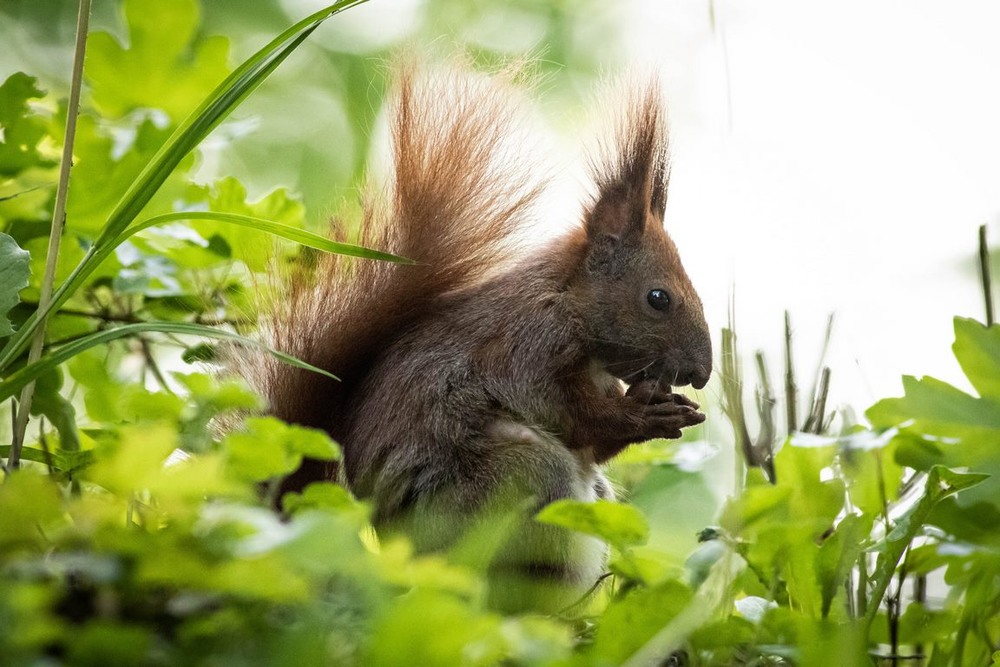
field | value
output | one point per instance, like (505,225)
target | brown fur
(469,386)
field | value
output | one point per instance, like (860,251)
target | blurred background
(828,157)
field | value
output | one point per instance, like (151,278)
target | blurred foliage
(134,534)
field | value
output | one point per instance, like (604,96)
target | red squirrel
(470,383)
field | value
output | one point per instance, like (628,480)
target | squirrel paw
(663,413)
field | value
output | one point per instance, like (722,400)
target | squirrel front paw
(661,413)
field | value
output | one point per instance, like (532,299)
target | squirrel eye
(658,299)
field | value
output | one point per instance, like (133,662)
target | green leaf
(428,628)
(977,523)
(838,554)
(977,348)
(920,625)
(936,408)
(320,495)
(268,448)
(112,644)
(873,476)
(29,503)
(629,623)
(163,65)
(229,196)
(57,409)
(947,482)
(22,131)
(220,395)
(940,484)
(14,273)
(616,523)
(677,504)
(136,461)
(104,168)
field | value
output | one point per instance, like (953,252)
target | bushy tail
(456,192)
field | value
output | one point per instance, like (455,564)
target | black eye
(658,299)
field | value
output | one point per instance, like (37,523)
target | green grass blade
(16,381)
(295,234)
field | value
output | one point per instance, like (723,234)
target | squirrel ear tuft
(631,169)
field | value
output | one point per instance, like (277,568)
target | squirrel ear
(618,212)
(632,171)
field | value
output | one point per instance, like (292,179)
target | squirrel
(473,385)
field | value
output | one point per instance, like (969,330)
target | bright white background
(834,157)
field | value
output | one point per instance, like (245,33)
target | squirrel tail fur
(455,195)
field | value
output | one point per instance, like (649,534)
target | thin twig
(586,596)
(791,392)
(919,597)
(894,604)
(817,415)
(816,427)
(46,450)
(732,403)
(128,318)
(984,273)
(58,222)
(763,449)
(147,355)
(862,594)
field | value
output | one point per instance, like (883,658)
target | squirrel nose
(699,376)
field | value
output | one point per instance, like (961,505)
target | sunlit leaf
(631,621)
(161,65)
(320,495)
(411,633)
(267,447)
(936,408)
(105,166)
(28,502)
(977,348)
(229,196)
(14,274)
(20,130)
(616,523)
(57,409)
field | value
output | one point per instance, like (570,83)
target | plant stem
(919,597)
(732,405)
(814,424)
(984,273)
(764,447)
(58,222)
(791,391)
(108,317)
(862,591)
(819,378)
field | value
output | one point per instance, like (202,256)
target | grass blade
(16,381)
(295,234)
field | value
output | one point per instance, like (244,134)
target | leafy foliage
(133,533)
